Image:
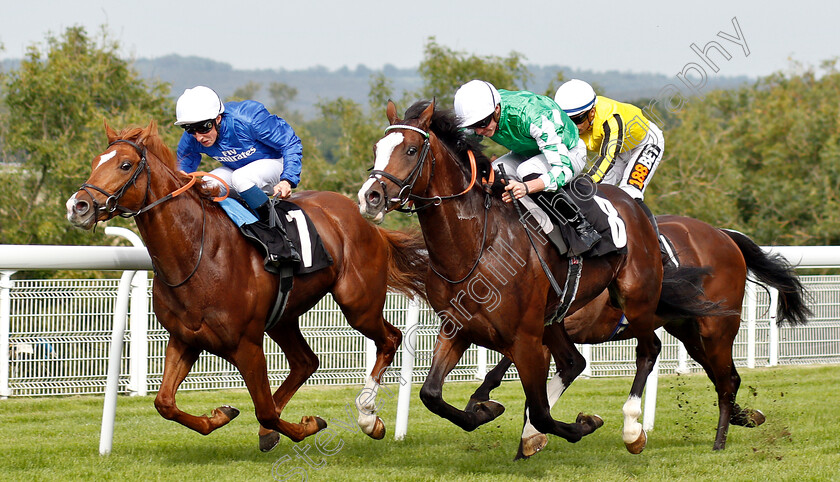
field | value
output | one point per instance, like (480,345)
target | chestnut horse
(708,339)
(211,291)
(485,280)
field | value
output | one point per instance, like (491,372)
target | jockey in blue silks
(259,152)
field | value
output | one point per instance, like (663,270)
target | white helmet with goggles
(475,101)
(198,104)
(575,97)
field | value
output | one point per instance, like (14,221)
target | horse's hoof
(227,411)
(636,447)
(308,420)
(378,432)
(269,441)
(590,421)
(490,407)
(531,445)
(755,418)
(748,417)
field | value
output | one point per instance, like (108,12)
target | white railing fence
(63,337)
(59,335)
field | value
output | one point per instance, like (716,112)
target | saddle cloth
(597,209)
(296,236)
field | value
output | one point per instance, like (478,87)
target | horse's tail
(408,261)
(682,294)
(773,270)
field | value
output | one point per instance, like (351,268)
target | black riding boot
(562,208)
(587,232)
(567,207)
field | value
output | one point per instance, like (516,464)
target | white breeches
(263,173)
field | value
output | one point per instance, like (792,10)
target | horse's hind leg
(714,354)
(570,364)
(364,314)
(249,359)
(448,351)
(302,364)
(492,380)
(647,351)
(533,371)
(179,360)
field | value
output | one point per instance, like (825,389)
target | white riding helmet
(575,96)
(474,101)
(198,104)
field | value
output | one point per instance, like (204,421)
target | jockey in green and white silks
(541,138)
(546,151)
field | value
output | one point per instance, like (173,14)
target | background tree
(761,159)
(245,92)
(59,100)
(443,70)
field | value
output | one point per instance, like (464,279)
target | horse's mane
(155,145)
(445,126)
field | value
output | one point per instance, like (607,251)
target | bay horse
(730,256)
(485,280)
(212,293)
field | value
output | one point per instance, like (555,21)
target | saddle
(287,238)
(593,208)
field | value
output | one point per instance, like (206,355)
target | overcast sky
(653,36)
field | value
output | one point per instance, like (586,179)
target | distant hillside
(318,83)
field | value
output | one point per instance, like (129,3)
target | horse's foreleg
(179,360)
(448,352)
(647,351)
(249,358)
(302,364)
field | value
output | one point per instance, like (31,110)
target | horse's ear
(426,116)
(110,133)
(392,113)
(151,130)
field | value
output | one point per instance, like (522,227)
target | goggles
(482,123)
(580,118)
(202,127)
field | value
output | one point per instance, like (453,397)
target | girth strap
(569,290)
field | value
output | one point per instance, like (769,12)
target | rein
(112,200)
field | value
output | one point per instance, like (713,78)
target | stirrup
(588,234)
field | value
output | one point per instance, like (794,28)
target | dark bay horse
(211,291)
(485,280)
(708,339)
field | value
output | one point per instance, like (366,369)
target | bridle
(406,186)
(112,200)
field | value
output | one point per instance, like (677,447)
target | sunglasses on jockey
(202,127)
(579,118)
(482,123)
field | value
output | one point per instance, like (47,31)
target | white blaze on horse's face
(384,149)
(69,205)
(106,157)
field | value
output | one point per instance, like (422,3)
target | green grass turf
(58,438)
